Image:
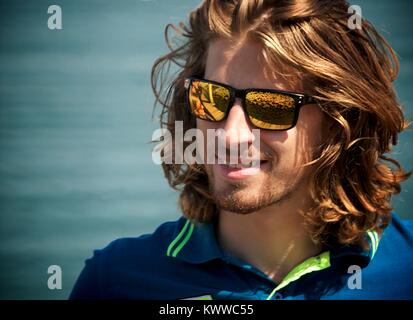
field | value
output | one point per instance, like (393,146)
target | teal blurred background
(75,121)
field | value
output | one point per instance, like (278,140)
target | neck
(272,239)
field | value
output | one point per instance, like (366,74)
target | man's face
(281,174)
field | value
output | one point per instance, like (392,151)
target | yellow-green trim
(317,263)
(178,237)
(374,239)
(183,243)
(205,297)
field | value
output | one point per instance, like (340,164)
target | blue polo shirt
(183,260)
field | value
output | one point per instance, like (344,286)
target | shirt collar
(196,243)
(346,255)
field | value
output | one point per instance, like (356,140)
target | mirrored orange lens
(273,111)
(208,101)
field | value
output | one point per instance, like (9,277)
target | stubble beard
(249,197)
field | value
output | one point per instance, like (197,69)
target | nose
(237,127)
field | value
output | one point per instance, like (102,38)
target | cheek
(297,144)
(310,125)
(203,127)
(200,124)
(282,146)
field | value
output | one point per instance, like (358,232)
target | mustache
(249,155)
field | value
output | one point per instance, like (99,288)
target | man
(313,220)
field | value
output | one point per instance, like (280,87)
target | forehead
(243,64)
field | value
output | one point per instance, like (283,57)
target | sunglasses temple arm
(308,100)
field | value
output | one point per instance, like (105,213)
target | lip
(232,173)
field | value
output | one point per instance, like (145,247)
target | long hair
(349,70)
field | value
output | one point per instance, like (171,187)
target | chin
(248,196)
(241,198)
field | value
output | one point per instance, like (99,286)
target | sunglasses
(266,109)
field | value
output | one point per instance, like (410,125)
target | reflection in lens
(208,101)
(269,110)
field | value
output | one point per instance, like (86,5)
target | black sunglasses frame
(299,99)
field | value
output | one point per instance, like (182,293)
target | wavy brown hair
(350,71)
